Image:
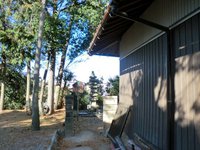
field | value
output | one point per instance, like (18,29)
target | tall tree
(53,27)
(68,76)
(28,85)
(50,99)
(58,99)
(112,86)
(17,30)
(5,42)
(18,27)
(3,71)
(35,109)
(59,79)
(43,86)
(80,29)
(26,22)
(2,96)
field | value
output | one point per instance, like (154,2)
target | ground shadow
(16,133)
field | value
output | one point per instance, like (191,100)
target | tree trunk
(58,99)
(62,93)
(59,79)
(2,97)
(35,109)
(28,84)
(50,99)
(2,82)
(43,87)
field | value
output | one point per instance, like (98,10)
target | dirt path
(16,133)
(88,136)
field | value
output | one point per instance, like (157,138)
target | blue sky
(106,67)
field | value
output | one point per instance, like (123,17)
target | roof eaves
(99,28)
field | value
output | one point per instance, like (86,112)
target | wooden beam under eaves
(116,30)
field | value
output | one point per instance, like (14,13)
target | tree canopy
(112,87)
(68,25)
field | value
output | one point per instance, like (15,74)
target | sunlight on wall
(136,77)
(126,90)
(187,90)
(160,92)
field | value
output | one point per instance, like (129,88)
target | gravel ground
(16,133)
(88,136)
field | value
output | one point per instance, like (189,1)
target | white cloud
(102,66)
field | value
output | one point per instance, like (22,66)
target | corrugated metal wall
(187,84)
(164,12)
(146,72)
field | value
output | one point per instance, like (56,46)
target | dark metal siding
(148,74)
(147,68)
(187,84)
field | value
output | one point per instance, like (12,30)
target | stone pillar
(69,116)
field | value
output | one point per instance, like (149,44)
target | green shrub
(15,90)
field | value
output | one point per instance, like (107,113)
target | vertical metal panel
(195,33)
(164,88)
(150,89)
(121,66)
(156,59)
(160,119)
(149,115)
(144,94)
(165,12)
(187,91)
(187,81)
(189,49)
(148,78)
